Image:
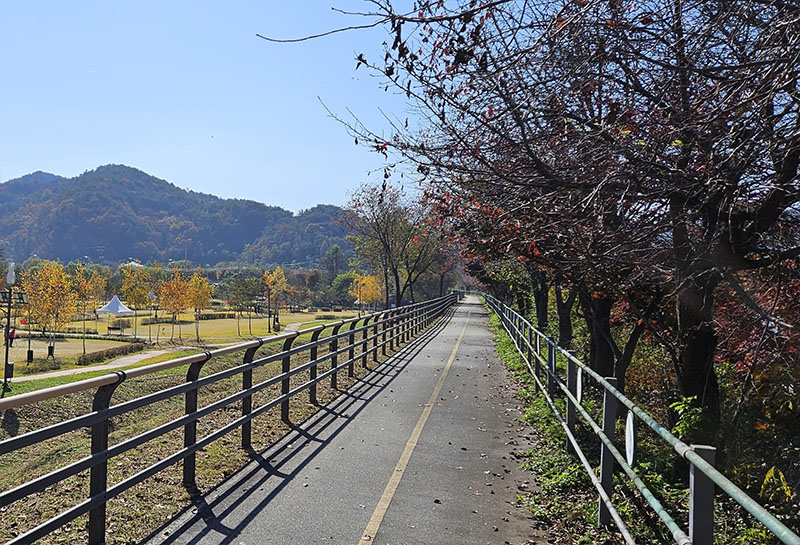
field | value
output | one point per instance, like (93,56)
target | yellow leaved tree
(274,285)
(173,297)
(83,286)
(52,301)
(135,288)
(96,291)
(199,297)
(366,289)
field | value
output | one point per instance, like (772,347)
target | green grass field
(211,331)
(222,331)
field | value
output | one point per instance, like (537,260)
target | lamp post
(8,369)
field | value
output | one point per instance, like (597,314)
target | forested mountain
(115,212)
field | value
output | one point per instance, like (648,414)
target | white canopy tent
(115,307)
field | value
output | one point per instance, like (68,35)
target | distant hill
(115,212)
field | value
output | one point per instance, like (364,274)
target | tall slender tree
(199,297)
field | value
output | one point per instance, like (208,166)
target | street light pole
(8,370)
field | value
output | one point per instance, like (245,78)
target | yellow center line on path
(394,481)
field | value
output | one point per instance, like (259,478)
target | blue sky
(186,92)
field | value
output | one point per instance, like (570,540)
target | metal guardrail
(703,477)
(377,331)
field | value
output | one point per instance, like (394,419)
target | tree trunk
(697,343)
(398,297)
(386,286)
(441,284)
(564,308)
(696,279)
(83,315)
(625,358)
(197,327)
(597,312)
(269,312)
(134,322)
(522,302)
(541,292)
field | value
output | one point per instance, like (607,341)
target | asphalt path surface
(422,451)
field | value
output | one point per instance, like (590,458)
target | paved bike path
(386,463)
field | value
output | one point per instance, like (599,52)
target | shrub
(100,355)
(40,366)
(216,315)
(159,320)
(119,323)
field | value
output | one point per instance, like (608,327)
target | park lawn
(215,331)
(66,352)
(68,349)
(40,384)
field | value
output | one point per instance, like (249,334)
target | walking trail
(424,450)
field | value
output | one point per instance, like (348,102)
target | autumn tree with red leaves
(632,151)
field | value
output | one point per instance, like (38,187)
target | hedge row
(101,355)
(160,320)
(217,315)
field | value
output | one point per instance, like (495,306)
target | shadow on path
(329,421)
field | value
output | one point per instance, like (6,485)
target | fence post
(334,347)
(398,325)
(572,386)
(190,428)
(537,365)
(247,401)
(312,391)
(375,338)
(98,475)
(384,328)
(351,354)
(551,368)
(402,326)
(530,341)
(392,321)
(366,342)
(701,499)
(285,368)
(606,459)
(512,325)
